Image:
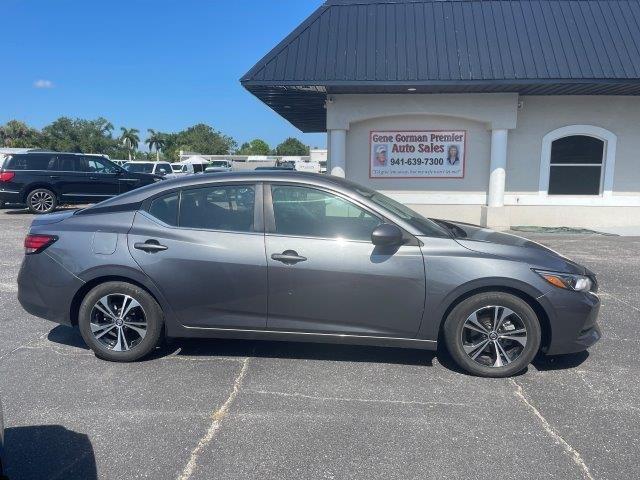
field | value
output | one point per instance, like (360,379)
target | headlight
(568,281)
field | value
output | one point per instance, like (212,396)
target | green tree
(130,139)
(199,138)
(256,146)
(79,135)
(155,140)
(292,146)
(18,134)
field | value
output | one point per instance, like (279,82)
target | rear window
(32,162)
(165,208)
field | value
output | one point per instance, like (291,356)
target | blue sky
(157,64)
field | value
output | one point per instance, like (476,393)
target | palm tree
(130,139)
(155,140)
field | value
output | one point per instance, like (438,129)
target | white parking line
(360,400)
(572,452)
(216,420)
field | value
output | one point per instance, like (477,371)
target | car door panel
(345,287)
(211,279)
(101,181)
(338,281)
(69,180)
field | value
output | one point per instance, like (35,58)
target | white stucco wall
(528,119)
(541,114)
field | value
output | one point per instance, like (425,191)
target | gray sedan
(301,257)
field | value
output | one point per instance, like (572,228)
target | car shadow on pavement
(48,451)
(68,336)
(560,362)
(297,350)
(196,347)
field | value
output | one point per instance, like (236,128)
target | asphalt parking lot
(273,410)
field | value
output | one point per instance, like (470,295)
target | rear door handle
(289,257)
(150,246)
(54,177)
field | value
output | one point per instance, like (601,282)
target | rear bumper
(46,289)
(573,317)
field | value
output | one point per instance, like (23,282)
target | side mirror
(386,235)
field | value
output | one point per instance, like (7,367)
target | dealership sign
(417,154)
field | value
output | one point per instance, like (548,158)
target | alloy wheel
(41,202)
(118,322)
(494,336)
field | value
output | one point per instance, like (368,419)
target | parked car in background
(44,180)
(276,168)
(188,168)
(307,166)
(162,169)
(219,166)
(303,257)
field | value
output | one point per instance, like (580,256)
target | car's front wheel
(493,334)
(120,322)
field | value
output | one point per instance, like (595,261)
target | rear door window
(67,163)
(223,207)
(165,208)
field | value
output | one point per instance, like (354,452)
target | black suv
(44,180)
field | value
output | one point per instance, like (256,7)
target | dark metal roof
(541,47)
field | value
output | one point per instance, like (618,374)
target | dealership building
(499,112)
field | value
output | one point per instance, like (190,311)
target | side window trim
(270,219)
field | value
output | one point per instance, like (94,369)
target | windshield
(426,226)
(138,167)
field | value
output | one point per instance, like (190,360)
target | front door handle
(54,177)
(289,257)
(150,246)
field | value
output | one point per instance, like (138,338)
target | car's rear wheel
(120,322)
(493,334)
(42,200)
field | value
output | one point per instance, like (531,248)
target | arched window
(576,165)
(577,160)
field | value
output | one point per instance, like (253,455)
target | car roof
(141,194)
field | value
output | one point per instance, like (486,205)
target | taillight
(37,243)
(6,176)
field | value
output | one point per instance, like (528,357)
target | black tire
(149,308)
(485,364)
(1,204)
(41,201)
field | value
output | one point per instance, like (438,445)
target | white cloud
(43,83)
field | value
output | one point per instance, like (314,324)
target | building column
(328,152)
(494,214)
(338,152)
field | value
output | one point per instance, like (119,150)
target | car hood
(509,246)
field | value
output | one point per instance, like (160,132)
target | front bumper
(573,320)
(46,289)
